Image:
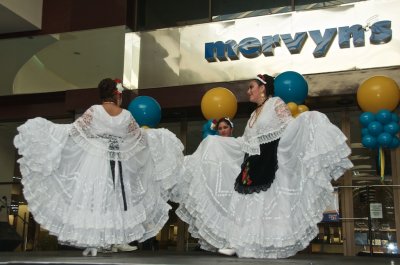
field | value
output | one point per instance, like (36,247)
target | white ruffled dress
(282,220)
(78,195)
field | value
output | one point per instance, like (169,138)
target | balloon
(364,131)
(395,117)
(385,139)
(303,108)
(291,87)
(383,116)
(145,127)
(218,103)
(146,111)
(293,107)
(392,128)
(375,128)
(395,143)
(378,92)
(366,118)
(209,128)
(369,141)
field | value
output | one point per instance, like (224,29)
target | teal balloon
(392,128)
(369,141)
(385,139)
(375,128)
(383,116)
(395,143)
(364,131)
(291,86)
(366,118)
(146,111)
(208,128)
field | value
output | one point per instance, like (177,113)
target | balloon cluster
(146,111)
(296,109)
(377,97)
(380,129)
(217,103)
(292,88)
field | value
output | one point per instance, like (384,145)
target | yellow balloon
(378,92)
(145,127)
(218,102)
(302,108)
(293,108)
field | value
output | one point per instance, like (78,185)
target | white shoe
(123,248)
(227,251)
(90,252)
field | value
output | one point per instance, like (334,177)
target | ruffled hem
(34,140)
(167,153)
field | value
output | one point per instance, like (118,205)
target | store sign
(251,47)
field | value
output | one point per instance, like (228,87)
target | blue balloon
(146,111)
(384,139)
(383,116)
(291,87)
(366,118)
(395,117)
(375,128)
(369,141)
(395,143)
(392,128)
(209,128)
(364,131)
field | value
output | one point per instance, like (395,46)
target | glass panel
(315,4)
(154,14)
(376,235)
(233,9)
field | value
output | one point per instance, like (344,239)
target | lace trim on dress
(266,132)
(282,111)
(252,146)
(251,189)
(81,133)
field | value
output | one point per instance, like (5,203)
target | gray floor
(172,257)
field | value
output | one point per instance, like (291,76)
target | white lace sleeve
(83,123)
(282,111)
(134,129)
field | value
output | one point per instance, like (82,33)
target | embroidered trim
(252,146)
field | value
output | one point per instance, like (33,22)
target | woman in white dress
(102,180)
(261,195)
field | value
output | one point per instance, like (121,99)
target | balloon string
(382,163)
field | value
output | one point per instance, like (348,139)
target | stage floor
(171,257)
